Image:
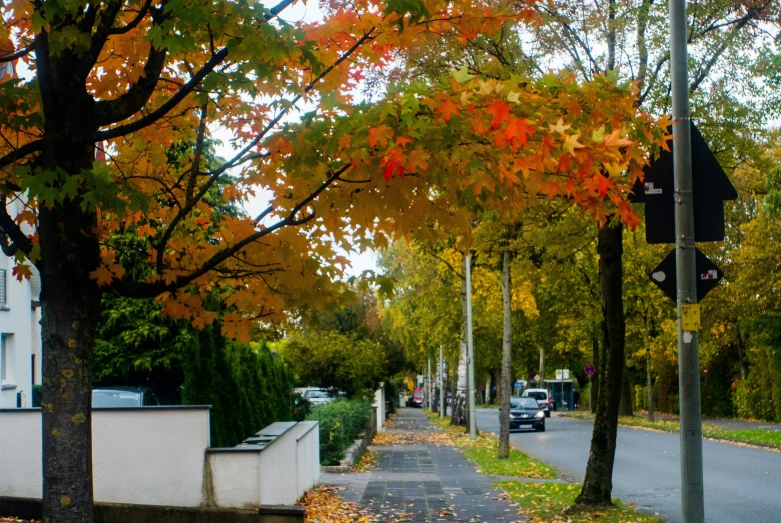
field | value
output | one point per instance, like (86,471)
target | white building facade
(20,331)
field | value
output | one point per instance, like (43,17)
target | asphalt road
(741,484)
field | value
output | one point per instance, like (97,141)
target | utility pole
(441,385)
(688,365)
(470,352)
(428,380)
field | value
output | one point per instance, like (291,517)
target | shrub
(341,422)
(247,386)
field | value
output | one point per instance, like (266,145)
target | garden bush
(341,422)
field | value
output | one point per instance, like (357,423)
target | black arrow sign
(711,188)
(708,276)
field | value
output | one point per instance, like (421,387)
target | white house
(20,332)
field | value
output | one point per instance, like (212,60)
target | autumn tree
(127,78)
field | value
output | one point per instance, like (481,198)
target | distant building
(20,331)
(20,310)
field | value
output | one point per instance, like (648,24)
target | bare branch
(18,54)
(133,23)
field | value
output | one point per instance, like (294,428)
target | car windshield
(115,398)
(418,394)
(317,394)
(539,395)
(524,403)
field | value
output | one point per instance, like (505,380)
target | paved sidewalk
(424,481)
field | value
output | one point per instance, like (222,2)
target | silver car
(318,396)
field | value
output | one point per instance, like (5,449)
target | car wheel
(541,428)
(547,413)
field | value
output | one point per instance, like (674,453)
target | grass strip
(546,502)
(483,453)
(751,436)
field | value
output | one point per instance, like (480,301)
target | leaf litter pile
(389,439)
(323,505)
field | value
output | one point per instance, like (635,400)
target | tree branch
(18,54)
(112,111)
(148,290)
(20,153)
(133,23)
(19,240)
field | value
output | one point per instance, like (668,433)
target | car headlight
(540,414)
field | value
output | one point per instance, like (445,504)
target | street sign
(536,377)
(708,275)
(705,370)
(690,317)
(518,384)
(711,188)
(481,387)
(566,374)
(589,369)
(558,374)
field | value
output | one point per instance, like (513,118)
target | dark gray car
(526,412)
(118,397)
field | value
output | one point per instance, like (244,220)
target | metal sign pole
(441,385)
(428,380)
(470,350)
(688,365)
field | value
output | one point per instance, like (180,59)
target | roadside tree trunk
(507,349)
(541,383)
(594,392)
(625,407)
(459,412)
(649,385)
(70,299)
(598,481)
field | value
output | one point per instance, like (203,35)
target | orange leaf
(517,130)
(500,112)
(380,135)
(447,110)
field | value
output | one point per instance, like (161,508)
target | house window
(3,293)
(6,361)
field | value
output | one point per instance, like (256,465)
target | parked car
(417,398)
(318,396)
(543,398)
(113,397)
(526,412)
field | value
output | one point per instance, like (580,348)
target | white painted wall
(20,328)
(235,477)
(249,476)
(379,402)
(307,455)
(150,456)
(20,453)
(155,456)
(21,336)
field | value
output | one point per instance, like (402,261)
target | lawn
(546,502)
(518,464)
(482,452)
(752,436)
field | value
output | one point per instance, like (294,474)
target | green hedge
(247,386)
(341,422)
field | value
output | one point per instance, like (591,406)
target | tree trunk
(598,482)
(541,383)
(649,385)
(70,298)
(594,377)
(459,412)
(507,349)
(625,407)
